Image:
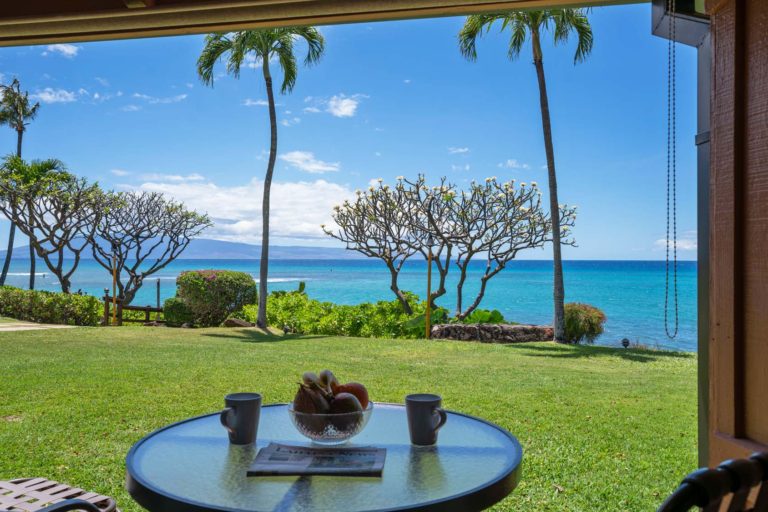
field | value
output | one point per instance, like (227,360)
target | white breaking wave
(283,279)
(41,274)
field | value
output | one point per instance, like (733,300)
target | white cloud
(458,151)
(377,153)
(154,100)
(290,121)
(464,167)
(341,105)
(172,178)
(119,172)
(65,50)
(512,163)
(306,161)
(255,103)
(297,208)
(189,85)
(338,105)
(50,95)
(103,81)
(407,81)
(686,242)
(131,108)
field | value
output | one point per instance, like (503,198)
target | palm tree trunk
(32,262)
(8,253)
(554,204)
(12,231)
(261,319)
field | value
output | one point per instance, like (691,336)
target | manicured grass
(602,429)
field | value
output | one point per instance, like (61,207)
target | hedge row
(49,307)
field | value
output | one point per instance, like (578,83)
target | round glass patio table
(191,466)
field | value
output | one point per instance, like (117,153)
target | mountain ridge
(209,249)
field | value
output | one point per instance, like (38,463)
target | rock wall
(493,333)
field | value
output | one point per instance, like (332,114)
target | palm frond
(519,29)
(315,43)
(473,28)
(15,108)
(574,20)
(216,45)
(287,60)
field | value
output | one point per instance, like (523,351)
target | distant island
(207,249)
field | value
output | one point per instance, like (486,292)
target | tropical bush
(484,316)
(583,322)
(297,313)
(177,313)
(49,307)
(212,295)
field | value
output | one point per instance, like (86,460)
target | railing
(120,308)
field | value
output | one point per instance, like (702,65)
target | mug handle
(443,417)
(225,414)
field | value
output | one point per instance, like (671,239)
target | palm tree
(263,44)
(522,24)
(17,113)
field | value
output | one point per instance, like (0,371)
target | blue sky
(387,99)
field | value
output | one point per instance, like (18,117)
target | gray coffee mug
(241,417)
(425,417)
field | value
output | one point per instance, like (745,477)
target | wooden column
(738,345)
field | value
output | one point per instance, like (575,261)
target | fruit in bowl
(328,412)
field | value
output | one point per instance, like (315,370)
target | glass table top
(193,463)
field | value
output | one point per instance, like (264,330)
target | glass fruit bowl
(330,429)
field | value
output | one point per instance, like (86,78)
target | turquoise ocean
(631,293)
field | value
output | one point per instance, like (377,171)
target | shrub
(49,307)
(177,313)
(297,313)
(583,322)
(484,316)
(212,295)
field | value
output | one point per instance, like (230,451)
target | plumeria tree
(139,234)
(57,211)
(376,224)
(491,221)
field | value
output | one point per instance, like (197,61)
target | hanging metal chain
(671,174)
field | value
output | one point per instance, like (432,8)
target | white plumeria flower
(400,178)
(534,184)
(322,226)
(522,184)
(487,180)
(379,179)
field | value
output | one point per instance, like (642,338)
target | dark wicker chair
(731,484)
(41,495)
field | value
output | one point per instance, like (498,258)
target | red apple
(356,389)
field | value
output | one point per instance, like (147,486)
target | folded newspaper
(282,459)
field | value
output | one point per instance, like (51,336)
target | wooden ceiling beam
(193,17)
(139,4)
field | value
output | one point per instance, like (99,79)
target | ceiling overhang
(50,21)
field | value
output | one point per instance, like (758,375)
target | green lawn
(602,429)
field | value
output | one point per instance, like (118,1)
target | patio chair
(730,483)
(41,495)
